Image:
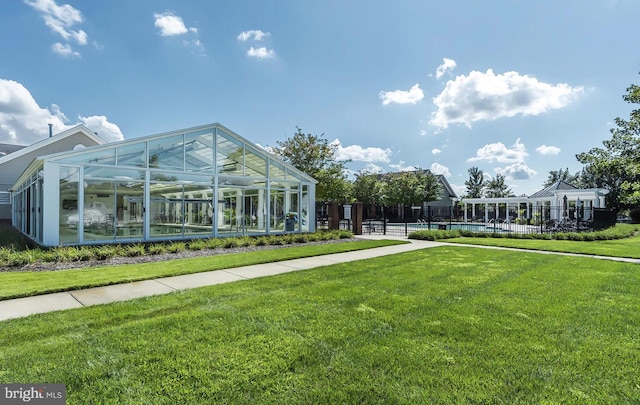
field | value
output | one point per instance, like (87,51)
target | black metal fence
(548,219)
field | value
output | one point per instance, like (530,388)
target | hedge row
(619,231)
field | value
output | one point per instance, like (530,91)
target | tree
(496,188)
(561,175)
(476,183)
(367,188)
(410,188)
(315,156)
(617,165)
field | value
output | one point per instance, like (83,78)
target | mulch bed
(114,261)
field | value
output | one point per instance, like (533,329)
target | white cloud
(498,152)
(459,189)
(261,53)
(196,46)
(435,151)
(256,34)
(357,153)
(23,121)
(547,150)
(373,168)
(171,24)
(487,96)
(64,50)
(517,171)
(401,167)
(60,19)
(423,132)
(437,168)
(447,66)
(108,131)
(412,96)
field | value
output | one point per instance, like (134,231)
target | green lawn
(442,325)
(627,247)
(22,284)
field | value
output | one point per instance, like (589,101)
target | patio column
(495,220)
(473,211)
(465,212)
(486,213)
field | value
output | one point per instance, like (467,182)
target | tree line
(614,166)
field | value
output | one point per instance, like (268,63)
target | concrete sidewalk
(22,307)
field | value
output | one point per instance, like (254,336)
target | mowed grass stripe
(442,325)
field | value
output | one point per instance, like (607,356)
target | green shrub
(176,247)
(157,249)
(229,243)
(262,241)
(105,252)
(134,250)
(197,244)
(214,243)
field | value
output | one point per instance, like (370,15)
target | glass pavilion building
(199,182)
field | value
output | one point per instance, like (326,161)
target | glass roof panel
(167,153)
(132,155)
(291,174)
(92,172)
(229,156)
(198,147)
(255,165)
(276,171)
(103,157)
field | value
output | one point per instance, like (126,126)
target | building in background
(14,159)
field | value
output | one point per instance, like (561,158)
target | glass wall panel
(198,148)
(277,211)
(167,153)
(230,156)
(304,220)
(255,210)
(276,171)
(166,211)
(69,219)
(132,155)
(129,209)
(99,204)
(198,212)
(255,165)
(230,210)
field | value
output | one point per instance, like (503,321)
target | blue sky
(513,87)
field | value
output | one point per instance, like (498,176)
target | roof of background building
(550,190)
(23,150)
(6,149)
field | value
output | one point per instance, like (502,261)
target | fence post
(384,221)
(406,226)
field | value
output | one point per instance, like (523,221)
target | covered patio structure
(557,202)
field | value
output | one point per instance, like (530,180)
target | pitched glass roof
(208,149)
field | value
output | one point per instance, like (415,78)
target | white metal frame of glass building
(198,182)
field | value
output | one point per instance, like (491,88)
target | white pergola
(588,199)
